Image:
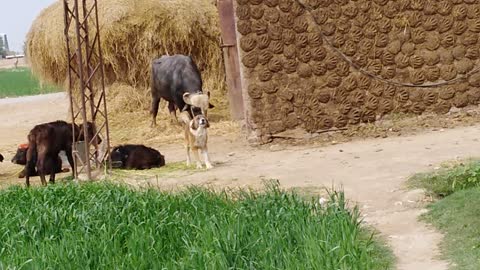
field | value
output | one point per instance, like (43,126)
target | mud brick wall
(321,64)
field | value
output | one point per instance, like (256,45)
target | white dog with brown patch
(196,138)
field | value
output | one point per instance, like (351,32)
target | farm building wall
(322,64)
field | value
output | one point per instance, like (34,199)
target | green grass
(457,214)
(458,217)
(107,226)
(448,180)
(162,171)
(21,82)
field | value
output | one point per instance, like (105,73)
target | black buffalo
(177,80)
(134,156)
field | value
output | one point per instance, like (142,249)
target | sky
(16,18)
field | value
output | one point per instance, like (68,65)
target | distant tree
(3,53)
(24,49)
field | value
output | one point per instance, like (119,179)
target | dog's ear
(208,123)
(187,98)
(184,118)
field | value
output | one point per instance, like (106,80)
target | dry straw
(134,33)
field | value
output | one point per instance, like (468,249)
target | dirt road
(372,172)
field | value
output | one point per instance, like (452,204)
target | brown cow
(45,141)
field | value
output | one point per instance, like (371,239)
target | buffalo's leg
(41,168)
(52,178)
(69,154)
(154,110)
(27,180)
(52,165)
(173,115)
(30,164)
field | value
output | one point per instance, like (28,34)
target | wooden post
(231,58)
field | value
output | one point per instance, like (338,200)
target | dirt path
(19,115)
(372,172)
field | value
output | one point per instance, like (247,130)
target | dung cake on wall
(321,64)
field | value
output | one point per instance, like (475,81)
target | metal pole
(87,67)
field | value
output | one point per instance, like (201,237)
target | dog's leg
(197,158)
(187,145)
(206,158)
(189,160)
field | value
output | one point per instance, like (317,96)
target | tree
(3,53)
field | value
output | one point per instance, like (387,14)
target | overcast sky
(16,17)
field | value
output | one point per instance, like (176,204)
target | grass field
(106,226)
(449,179)
(458,217)
(457,214)
(21,82)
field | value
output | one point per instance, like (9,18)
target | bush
(449,180)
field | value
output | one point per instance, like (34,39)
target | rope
(373,76)
(16,174)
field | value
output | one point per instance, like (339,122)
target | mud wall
(322,64)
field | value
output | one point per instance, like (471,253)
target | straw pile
(132,34)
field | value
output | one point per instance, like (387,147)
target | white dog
(196,138)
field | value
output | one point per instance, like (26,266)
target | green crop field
(21,82)
(107,226)
(457,214)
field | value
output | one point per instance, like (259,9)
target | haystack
(132,34)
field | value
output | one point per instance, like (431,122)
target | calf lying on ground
(20,158)
(138,157)
(196,138)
